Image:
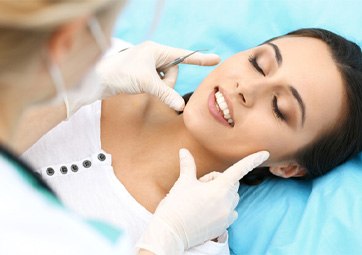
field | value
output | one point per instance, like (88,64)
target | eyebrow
(294,91)
(278,55)
(299,99)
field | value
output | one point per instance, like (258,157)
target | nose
(248,92)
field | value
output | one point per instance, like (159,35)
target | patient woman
(298,96)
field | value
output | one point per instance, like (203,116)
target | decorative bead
(101,157)
(74,168)
(87,163)
(64,170)
(50,171)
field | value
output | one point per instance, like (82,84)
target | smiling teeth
(223,107)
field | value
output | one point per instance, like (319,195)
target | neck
(163,154)
(10,112)
(145,158)
(19,89)
(180,137)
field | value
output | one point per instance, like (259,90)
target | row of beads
(74,168)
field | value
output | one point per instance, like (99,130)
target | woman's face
(279,97)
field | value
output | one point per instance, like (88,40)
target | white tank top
(71,160)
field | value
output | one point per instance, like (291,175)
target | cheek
(205,131)
(229,145)
(259,132)
(281,143)
(196,119)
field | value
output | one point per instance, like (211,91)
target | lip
(216,113)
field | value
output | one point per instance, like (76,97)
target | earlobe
(63,39)
(288,171)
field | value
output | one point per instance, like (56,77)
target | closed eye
(253,61)
(276,110)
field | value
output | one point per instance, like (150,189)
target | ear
(64,38)
(288,171)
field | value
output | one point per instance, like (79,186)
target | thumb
(187,164)
(167,95)
(237,171)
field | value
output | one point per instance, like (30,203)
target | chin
(202,131)
(191,120)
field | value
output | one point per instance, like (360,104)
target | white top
(32,222)
(71,160)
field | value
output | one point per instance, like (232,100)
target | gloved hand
(196,211)
(133,71)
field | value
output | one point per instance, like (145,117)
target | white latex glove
(133,71)
(196,211)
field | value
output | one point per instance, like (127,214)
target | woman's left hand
(133,71)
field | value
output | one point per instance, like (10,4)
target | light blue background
(228,26)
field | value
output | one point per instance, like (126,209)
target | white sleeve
(220,247)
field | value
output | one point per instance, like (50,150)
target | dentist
(47,49)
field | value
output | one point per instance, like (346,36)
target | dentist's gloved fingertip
(170,97)
(203,59)
(214,56)
(256,159)
(262,156)
(244,166)
(187,164)
(178,104)
(183,153)
(235,215)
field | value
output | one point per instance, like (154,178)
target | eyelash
(253,61)
(276,110)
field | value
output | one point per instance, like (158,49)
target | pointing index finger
(237,171)
(194,59)
(202,59)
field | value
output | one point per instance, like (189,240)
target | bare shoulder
(124,105)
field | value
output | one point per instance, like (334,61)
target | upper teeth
(223,107)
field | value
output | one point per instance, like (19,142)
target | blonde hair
(26,24)
(43,14)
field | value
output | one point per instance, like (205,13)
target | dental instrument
(162,69)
